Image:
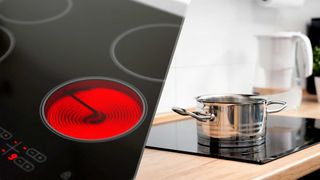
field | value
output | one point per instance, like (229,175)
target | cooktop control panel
(18,153)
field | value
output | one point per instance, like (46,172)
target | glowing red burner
(93,109)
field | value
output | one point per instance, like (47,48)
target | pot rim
(231,99)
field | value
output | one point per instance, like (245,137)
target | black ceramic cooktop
(285,135)
(79,84)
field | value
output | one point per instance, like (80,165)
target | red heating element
(93,109)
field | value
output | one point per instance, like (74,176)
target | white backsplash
(217,50)
(177,7)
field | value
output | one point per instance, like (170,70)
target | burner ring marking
(126,33)
(12,43)
(60,15)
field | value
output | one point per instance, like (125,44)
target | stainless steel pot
(232,120)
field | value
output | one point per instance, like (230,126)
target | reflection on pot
(230,142)
(254,152)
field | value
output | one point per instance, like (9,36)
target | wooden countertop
(157,164)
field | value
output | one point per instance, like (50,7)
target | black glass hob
(285,135)
(79,84)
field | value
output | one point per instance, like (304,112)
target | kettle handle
(306,53)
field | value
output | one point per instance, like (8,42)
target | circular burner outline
(53,90)
(117,40)
(12,40)
(58,16)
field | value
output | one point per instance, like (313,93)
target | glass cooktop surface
(79,83)
(285,135)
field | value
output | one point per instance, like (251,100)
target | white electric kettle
(285,58)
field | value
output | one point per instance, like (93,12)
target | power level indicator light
(13,157)
(24,148)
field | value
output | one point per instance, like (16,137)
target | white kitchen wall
(216,50)
(177,7)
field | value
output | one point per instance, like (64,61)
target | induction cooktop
(79,84)
(285,135)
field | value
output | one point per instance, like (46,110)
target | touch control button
(24,164)
(28,167)
(31,152)
(36,155)
(40,158)
(6,135)
(19,161)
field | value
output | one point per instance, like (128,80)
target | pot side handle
(197,115)
(284,105)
